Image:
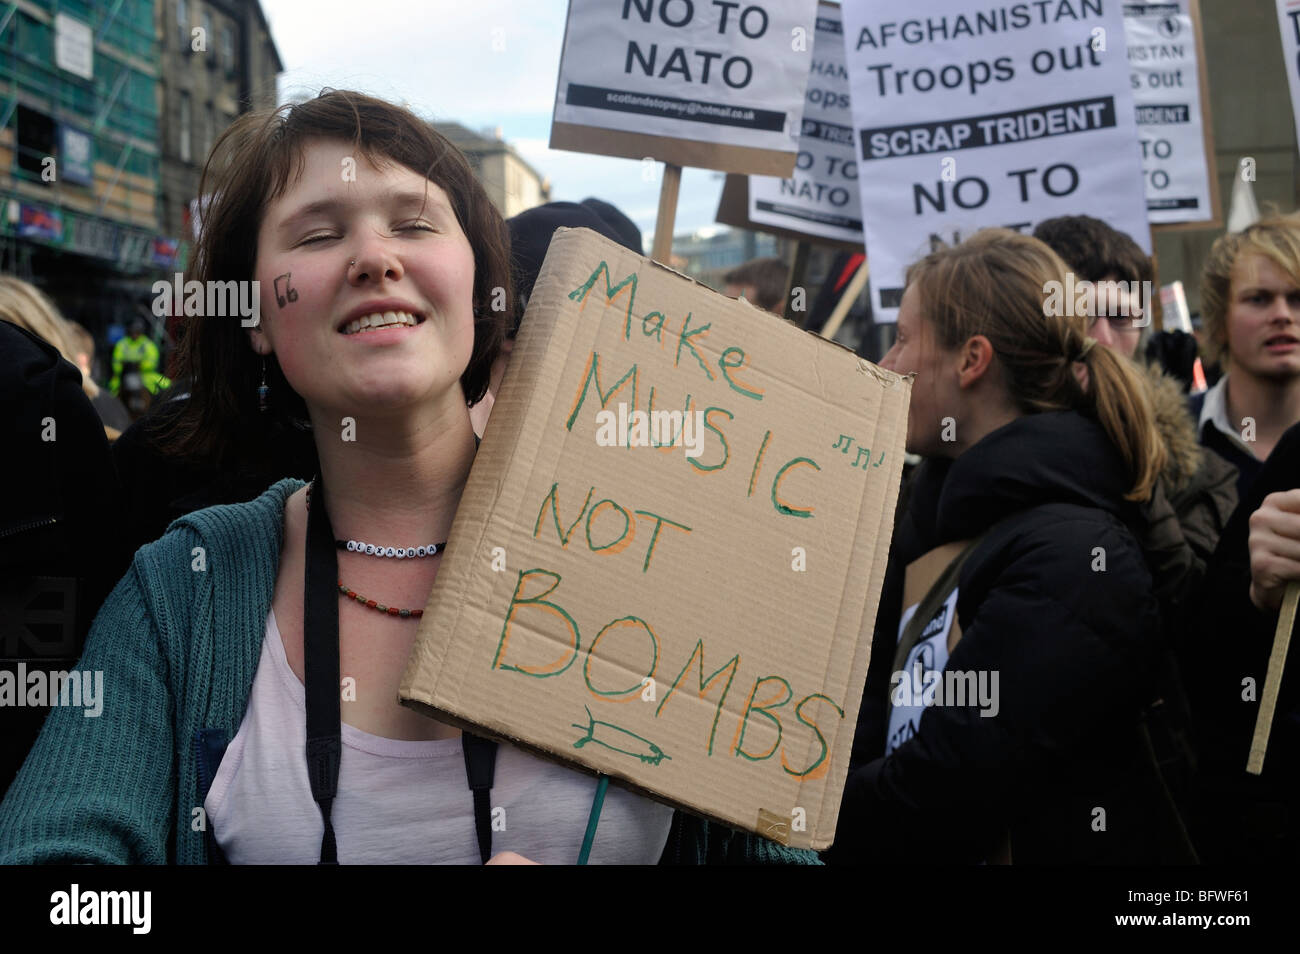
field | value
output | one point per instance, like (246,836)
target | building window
(183,22)
(185,127)
(227,47)
(36,142)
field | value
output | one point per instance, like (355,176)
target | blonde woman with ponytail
(1015,653)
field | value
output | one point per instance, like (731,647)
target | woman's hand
(509,858)
(1274,548)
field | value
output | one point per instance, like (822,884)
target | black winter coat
(1075,650)
(1243,818)
(60,541)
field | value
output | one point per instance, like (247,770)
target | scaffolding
(79,126)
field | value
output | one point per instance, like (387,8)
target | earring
(263,392)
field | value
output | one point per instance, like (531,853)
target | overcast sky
(438,56)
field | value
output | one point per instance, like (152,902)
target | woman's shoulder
(1079,555)
(218,539)
(233,521)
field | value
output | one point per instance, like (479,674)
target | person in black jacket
(1038,447)
(1241,817)
(59,531)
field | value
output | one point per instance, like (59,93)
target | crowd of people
(1113,548)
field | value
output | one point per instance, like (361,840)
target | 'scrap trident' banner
(667,559)
(711,83)
(987,115)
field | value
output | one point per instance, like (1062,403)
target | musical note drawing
(292,293)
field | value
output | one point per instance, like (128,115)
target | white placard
(74,50)
(1161,41)
(821,197)
(993,116)
(1288,19)
(716,71)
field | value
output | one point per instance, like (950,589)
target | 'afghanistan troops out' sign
(1162,54)
(1000,116)
(1288,19)
(821,197)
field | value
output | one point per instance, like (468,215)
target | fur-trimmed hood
(1177,429)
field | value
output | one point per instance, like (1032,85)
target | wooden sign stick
(856,284)
(1273,678)
(663,247)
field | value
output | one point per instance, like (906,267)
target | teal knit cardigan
(178,641)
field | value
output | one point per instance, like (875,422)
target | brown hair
(26,306)
(995,284)
(251,164)
(767,275)
(1095,250)
(1276,237)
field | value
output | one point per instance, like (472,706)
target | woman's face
(412,260)
(935,394)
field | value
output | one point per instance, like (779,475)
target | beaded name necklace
(368,549)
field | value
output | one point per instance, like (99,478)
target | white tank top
(403,802)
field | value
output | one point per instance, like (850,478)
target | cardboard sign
(1163,41)
(1288,21)
(821,197)
(1005,116)
(709,83)
(692,619)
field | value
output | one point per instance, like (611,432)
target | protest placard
(820,198)
(1166,57)
(666,563)
(1288,21)
(1001,116)
(717,84)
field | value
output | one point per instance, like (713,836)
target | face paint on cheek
(290,294)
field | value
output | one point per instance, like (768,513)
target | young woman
(1026,651)
(377,255)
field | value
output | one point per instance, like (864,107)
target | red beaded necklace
(374,604)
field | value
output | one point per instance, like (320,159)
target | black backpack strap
(321,667)
(480,769)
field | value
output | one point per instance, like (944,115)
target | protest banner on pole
(667,560)
(1288,21)
(716,84)
(1001,117)
(1170,89)
(820,198)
